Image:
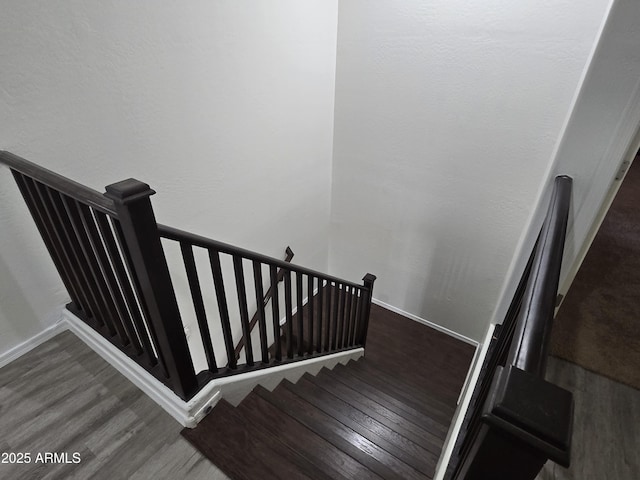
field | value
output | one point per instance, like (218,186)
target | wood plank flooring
(62,397)
(606,428)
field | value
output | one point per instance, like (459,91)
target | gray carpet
(598,324)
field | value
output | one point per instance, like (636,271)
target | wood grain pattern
(384,416)
(62,397)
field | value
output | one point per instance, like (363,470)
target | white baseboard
(28,345)
(146,382)
(232,388)
(435,326)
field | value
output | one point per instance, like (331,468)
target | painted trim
(418,319)
(232,388)
(467,379)
(152,387)
(31,343)
(463,405)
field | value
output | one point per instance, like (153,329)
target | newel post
(140,231)
(368,279)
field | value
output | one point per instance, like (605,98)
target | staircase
(385,416)
(108,249)
(365,419)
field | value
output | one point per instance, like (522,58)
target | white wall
(447,115)
(225,108)
(598,136)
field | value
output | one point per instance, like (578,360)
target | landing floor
(63,398)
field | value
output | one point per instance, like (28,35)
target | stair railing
(332,318)
(267,297)
(108,252)
(516,420)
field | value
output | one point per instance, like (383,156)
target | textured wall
(447,115)
(225,108)
(596,140)
(446,120)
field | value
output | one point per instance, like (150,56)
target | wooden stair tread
(296,436)
(416,417)
(418,399)
(364,451)
(403,449)
(431,391)
(429,378)
(385,416)
(245,453)
(401,424)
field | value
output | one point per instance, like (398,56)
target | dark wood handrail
(265,301)
(516,420)
(531,339)
(178,235)
(59,183)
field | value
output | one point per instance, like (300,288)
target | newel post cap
(127,191)
(369,278)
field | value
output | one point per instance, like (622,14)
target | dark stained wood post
(140,231)
(525,421)
(368,279)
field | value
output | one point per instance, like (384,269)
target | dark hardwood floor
(384,416)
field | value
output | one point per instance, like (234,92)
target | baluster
(327,323)
(72,246)
(126,286)
(218,282)
(275,311)
(244,313)
(108,309)
(356,316)
(300,314)
(310,300)
(288,308)
(336,303)
(107,272)
(341,318)
(353,315)
(262,325)
(198,304)
(320,315)
(346,316)
(50,235)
